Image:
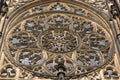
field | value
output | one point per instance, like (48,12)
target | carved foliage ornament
(39,42)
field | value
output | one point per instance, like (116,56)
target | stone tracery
(36,41)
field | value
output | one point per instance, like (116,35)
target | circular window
(45,34)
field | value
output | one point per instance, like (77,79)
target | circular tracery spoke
(21,40)
(83,28)
(59,21)
(53,63)
(89,58)
(96,42)
(30,57)
(35,27)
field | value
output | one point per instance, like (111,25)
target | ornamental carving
(64,33)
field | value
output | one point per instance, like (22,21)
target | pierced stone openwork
(59,41)
(42,37)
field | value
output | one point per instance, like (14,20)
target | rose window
(58,39)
